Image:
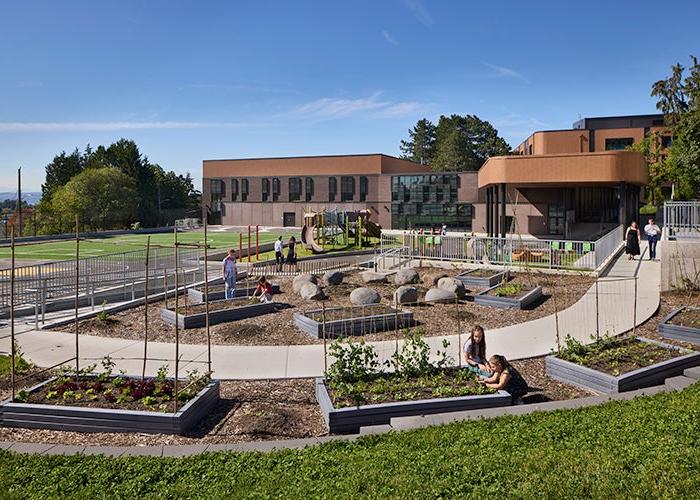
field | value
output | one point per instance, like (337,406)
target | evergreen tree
(420,147)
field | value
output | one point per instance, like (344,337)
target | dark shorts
(278,257)
(291,258)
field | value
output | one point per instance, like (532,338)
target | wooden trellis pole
(77,294)
(177,318)
(206,296)
(12,310)
(145,311)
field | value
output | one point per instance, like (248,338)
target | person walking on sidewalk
(652,231)
(632,238)
(229,274)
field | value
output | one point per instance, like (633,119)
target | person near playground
(291,251)
(652,231)
(279,259)
(443,230)
(474,352)
(632,238)
(263,292)
(229,274)
(505,377)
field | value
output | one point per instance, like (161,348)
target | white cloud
(105,126)
(328,108)
(503,72)
(419,12)
(389,38)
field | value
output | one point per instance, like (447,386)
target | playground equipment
(327,229)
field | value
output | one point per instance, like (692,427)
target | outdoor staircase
(689,377)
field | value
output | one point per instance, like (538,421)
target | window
(332,188)
(556,218)
(275,188)
(618,143)
(234,189)
(217,192)
(309,188)
(294,188)
(265,189)
(364,187)
(666,141)
(428,201)
(244,189)
(347,188)
(529,149)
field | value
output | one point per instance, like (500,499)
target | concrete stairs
(689,377)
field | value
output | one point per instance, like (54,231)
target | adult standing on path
(279,259)
(632,238)
(291,252)
(229,273)
(652,231)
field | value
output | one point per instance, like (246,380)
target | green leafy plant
(353,361)
(414,357)
(508,290)
(102,315)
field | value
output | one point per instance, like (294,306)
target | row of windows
(270,189)
(425,188)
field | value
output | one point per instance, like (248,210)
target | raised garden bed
(356,320)
(482,278)
(221,311)
(113,413)
(348,419)
(218,292)
(619,365)
(509,296)
(682,324)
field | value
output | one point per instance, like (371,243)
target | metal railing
(682,219)
(311,266)
(511,250)
(56,280)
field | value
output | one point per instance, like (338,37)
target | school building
(571,183)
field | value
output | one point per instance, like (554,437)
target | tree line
(112,187)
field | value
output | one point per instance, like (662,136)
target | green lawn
(59,250)
(643,448)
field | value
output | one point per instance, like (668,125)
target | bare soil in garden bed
(689,318)
(669,301)
(215,305)
(622,355)
(279,329)
(482,273)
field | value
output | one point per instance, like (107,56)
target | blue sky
(192,80)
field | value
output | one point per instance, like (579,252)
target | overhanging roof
(605,167)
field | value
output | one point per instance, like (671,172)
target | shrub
(353,362)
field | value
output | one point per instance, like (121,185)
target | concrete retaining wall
(680,261)
(76,418)
(348,420)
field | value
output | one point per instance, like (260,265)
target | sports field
(63,250)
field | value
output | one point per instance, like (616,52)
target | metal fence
(310,266)
(682,219)
(56,280)
(399,250)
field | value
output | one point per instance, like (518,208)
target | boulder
(302,280)
(333,277)
(311,291)
(406,295)
(372,277)
(406,277)
(453,285)
(438,295)
(434,279)
(364,297)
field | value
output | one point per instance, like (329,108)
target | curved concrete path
(616,314)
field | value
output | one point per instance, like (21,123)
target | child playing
(263,291)
(474,352)
(505,377)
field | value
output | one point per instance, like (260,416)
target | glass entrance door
(556,217)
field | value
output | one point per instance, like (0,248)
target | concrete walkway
(608,307)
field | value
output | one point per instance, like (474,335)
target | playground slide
(372,229)
(307,238)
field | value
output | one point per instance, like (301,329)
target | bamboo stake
(145,311)
(206,297)
(12,310)
(634,313)
(325,355)
(77,291)
(177,318)
(165,285)
(556,317)
(459,333)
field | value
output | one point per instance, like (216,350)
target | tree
(62,169)
(679,99)
(658,165)
(102,198)
(457,143)
(420,147)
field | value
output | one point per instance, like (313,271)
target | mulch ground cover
(560,291)
(669,301)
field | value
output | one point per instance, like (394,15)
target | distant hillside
(31,197)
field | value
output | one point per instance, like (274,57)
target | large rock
(434,279)
(406,277)
(333,277)
(438,295)
(453,285)
(364,297)
(302,280)
(372,277)
(406,295)
(311,291)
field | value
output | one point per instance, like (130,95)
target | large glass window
(275,188)
(347,188)
(244,189)
(234,189)
(332,188)
(294,188)
(364,188)
(556,215)
(618,143)
(265,189)
(217,192)
(428,201)
(309,188)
